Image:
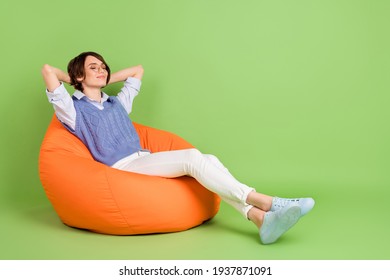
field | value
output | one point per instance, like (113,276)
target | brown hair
(76,68)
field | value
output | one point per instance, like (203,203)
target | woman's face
(95,73)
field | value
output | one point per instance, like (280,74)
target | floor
(343,226)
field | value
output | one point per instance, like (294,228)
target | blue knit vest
(109,134)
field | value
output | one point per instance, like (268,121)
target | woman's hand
(53,77)
(122,75)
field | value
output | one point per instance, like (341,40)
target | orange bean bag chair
(89,195)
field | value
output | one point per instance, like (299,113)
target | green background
(292,96)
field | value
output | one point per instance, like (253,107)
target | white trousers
(206,169)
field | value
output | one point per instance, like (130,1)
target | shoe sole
(283,224)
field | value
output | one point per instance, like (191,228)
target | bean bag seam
(113,197)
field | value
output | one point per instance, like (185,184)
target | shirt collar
(78,94)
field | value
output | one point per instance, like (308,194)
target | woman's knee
(194,153)
(213,159)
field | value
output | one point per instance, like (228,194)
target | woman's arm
(122,75)
(59,96)
(131,87)
(53,77)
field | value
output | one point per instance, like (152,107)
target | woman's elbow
(139,71)
(46,69)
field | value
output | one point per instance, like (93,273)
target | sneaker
(306,204)
(276,223)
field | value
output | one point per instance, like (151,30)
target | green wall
(293,96)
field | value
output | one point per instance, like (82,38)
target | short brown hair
(76,68)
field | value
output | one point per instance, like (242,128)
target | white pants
(206,169)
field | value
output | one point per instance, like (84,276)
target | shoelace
(281,202)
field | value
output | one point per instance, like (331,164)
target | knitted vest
(109,134)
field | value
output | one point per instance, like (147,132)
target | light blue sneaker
(276,223)
(306,204)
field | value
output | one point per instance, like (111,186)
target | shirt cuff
(59,93)
(134,83)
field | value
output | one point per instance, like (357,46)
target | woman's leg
(191,162)
(211,173)
(260,201)
(241,206)
(265,202)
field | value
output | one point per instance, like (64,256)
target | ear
(80,79)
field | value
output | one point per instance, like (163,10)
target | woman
(102,123)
